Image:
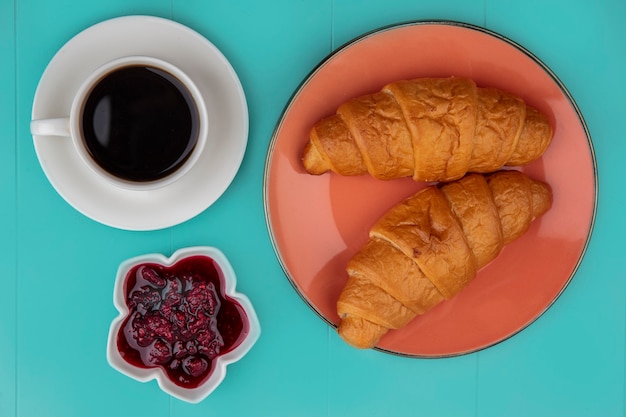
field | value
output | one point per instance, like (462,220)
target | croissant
(431,129)
(429,247)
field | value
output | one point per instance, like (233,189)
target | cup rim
(89,83)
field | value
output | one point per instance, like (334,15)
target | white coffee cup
(71,126)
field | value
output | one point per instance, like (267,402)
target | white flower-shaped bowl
(145,374)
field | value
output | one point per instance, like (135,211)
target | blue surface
(59,266)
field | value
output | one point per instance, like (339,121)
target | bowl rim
(191,395)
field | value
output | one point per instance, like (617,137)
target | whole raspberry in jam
(194,365)
(159,353)
(152,277)
(174,319)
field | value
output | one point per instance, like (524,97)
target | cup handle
(59,126)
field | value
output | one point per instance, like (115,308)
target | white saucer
(226,105)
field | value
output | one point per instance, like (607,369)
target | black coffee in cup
(140,123)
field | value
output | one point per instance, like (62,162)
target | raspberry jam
(180,319)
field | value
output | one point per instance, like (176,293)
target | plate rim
(430,22)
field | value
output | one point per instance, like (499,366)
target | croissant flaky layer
(429,247)
(431,129)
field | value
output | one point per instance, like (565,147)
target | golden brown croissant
(431,129)
(428,248)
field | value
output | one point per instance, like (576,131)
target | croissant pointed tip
(360,333)
(542,197)
(312,160)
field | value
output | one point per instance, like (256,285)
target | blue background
(58,266)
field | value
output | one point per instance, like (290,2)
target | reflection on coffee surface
(140,123)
